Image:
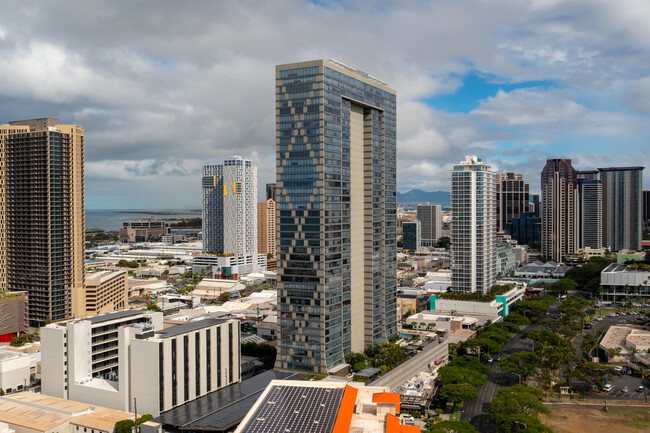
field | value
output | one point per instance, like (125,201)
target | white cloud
(162,90)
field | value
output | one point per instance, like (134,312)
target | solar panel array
(223,408)
(296,409)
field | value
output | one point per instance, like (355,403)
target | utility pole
(135,413)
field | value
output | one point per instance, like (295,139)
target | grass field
(596,421)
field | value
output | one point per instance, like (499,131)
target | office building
(646,209)
(473,226)
(589,202)
(526,229)
(105,292)
(512,198)
(336,199)
(535,206)
(145,229)
(42,216)
(412,239)
(270,191)
(622,207)
(114,358)
(430,217)
(230,207)
(506,261)
(266,227)
(558,183)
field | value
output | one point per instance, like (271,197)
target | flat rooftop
(39,412)
(103,419)
(115,315)
(188,327)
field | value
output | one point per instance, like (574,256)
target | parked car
(626,389)
(618,368)
(608,387)
(640,388)
(490,360)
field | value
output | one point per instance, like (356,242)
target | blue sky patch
(477,86)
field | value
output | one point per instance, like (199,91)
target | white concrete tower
(473,227)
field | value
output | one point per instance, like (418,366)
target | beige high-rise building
(42,221)
(266,227)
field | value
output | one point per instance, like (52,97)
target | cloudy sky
(163,87)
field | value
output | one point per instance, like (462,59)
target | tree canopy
(451,427)
(524,364)
(457,375)
(458,392)
(512,401)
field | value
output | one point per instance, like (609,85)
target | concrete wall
(14,372)
(54,371)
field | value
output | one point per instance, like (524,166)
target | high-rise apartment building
(558,182)
(646,208)
(230,207)
(622,207)
(336,199)
(42,216)
(473,226)
(270,191)
(512,198)
(589,218)
(266,227)
(412,235)
(430,217)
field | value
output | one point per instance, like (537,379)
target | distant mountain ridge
(419,196)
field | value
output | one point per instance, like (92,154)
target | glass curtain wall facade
(336,207)
(590,210)
(622,207)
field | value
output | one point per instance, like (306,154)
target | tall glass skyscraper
(336,205)
(622,207)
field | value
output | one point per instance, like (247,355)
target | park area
(566,420)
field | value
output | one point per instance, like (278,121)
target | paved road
(474,410)
(410,368)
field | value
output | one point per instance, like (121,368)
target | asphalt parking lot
(632,382)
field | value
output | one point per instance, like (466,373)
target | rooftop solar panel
(223,408)
(296,409)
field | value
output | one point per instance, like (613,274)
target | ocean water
(111,219)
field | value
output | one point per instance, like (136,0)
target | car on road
(640,388)
(608,387)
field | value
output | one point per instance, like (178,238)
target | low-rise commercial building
(229,266)
(620,342)
(27,412)
(325,407)
(539,269)
(14,371)
(502,305)
(111,359)
(146,229)
(626,281)
(105,291)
